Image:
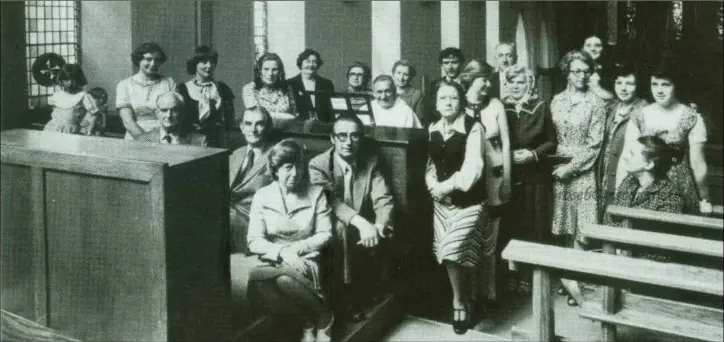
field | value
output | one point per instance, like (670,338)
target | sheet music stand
(341,102)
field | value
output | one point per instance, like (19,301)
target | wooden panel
(420,43)
(669,242)
(17,234)
(715,224)
(576,263)
(14,90)
(99,273)
(16,328)
(472,27)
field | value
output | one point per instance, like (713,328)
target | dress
(579,129)
(681,130)
(69,110)
(209,108)
(280,104)
(141,97)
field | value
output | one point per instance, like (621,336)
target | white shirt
(399,115)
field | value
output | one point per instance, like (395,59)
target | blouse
(472,168)
(273,100)
(141,95)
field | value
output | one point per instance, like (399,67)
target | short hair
(201,54)
(576,55)
(451,52)
(625,68)
(475,69)
(349,118)
(408,64)
(144,48)
(460,90)
(73,73)
(179,99)
(670,69)
(383,78)
(285,152)
(98,93)
(281,82)
(511,45)
(516,70)
(305,54)
(663,155)
(268,121)
(365,70)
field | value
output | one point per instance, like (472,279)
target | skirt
(310,278)
(459,233)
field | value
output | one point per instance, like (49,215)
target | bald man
(170,115)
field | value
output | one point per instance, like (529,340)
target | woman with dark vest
(209,103)
(453,177)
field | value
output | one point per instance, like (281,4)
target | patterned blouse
(275,101)
(661,195)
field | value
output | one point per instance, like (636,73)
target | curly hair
(575,55)
(144,48)
(74,74)
(201,54)
(663,155)
(281,82)
(451,52)
(365,70)
(305,54)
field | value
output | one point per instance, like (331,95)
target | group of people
(502,165)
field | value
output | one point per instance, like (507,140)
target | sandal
(572,301)
(460,326)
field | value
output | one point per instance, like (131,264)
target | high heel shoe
(572,301)
(325,334)
(460,326)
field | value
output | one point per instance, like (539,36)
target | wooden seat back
(631,215)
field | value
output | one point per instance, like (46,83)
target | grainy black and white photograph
(349,171)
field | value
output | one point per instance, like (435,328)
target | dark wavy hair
(626,68)
(671,69)
(74,74)
(663,155)
(305,54)
(365,70)
(201,54)
(287,151)
(98,93)
(451,52)
(350,118)
(281,82)
(144,48)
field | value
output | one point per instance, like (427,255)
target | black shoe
(460,326)
(572,301)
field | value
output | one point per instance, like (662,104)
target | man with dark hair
(363,205)
(451,60)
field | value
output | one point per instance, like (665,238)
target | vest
(448,157)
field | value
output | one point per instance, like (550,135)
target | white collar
(458,125)
(343,163)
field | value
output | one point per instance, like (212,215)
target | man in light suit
(170,115)
(248,172)
(363,206)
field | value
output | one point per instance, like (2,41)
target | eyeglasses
(579,72)
(355,74)
(344,136)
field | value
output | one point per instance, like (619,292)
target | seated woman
(311,106)
(209,103)
(358,78)
(289,225)
(270,89)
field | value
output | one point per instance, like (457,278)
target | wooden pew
(551,261)
(632,216)
(645,312)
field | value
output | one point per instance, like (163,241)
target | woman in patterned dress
(476,78)
(454,170)
(681,126)
(270,89)
(578,115)
(136,95)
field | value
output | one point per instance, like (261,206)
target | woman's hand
(562,174)
(523,156)
(290,256)
(440,190)
(705,207)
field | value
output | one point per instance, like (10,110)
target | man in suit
(451,60)
(309,62)
(248,172)
(363,206)
(506,56)
(170,115)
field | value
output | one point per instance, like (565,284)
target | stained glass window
(261,43)
(677,13)
(720,21)
(630,20)
(50,26)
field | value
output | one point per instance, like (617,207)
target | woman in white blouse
(136,95)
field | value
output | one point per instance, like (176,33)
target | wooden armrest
(665,217)
(556,159)
(669,242)
(16,328)
(575,263)
(717,210)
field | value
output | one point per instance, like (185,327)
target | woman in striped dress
(454,172)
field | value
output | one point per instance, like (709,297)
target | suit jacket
(190,138)
(304,103)
(241,193)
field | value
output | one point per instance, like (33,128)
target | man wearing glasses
(363,205)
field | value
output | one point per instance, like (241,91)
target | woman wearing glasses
(578,115)
(358,79)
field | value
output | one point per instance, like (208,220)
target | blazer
(242,193)
(190,138)
(372,196)
(304,103)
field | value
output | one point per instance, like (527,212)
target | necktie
(348,194)
(166,139)
(245,166)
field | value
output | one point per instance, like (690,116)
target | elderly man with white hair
(505,56)
(170,114)
(388,109)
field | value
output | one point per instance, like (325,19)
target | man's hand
(562,174)
(523,156)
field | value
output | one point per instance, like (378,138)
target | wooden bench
(645,312)
(551,261)
(16,328)
(630,216)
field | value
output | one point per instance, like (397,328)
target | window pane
(40,25)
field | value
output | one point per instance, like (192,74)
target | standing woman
(403,71)
(270,89)
(489,111)
(599,79)
(209,103)
(136,95)
(532,139)
(454,170)
(309,62)
(625,85)
(578,115)
(681,126)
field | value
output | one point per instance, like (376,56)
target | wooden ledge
(716,224)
